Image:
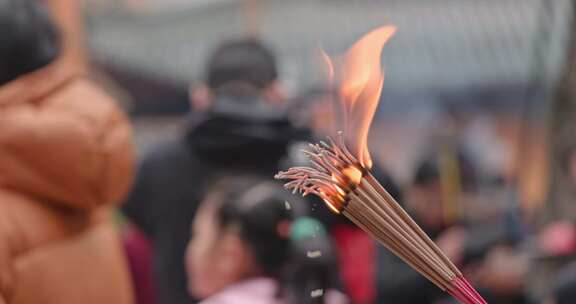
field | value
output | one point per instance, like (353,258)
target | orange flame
(361,78)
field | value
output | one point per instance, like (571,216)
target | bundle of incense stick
(350,189)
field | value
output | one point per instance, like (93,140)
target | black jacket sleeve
(141,201)
(397,282)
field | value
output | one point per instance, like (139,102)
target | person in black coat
(239,127)
(398,282)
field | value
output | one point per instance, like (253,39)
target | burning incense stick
(343,179)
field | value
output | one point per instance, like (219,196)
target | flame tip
(361,81)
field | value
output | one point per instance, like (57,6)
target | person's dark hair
(29,39)
(429,170)
(243,61)
(258,211)
(261,211)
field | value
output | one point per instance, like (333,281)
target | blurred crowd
(200,219)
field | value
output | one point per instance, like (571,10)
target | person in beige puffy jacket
(66,159)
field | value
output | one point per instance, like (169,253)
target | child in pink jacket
(247,248)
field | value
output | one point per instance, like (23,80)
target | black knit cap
(241,61)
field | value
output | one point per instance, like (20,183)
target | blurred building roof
(439,44)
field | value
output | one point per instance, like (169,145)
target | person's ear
(200,97)
(275,94)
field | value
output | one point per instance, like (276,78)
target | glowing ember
(335,171)
(353,173)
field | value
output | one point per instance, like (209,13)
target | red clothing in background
(356,257)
